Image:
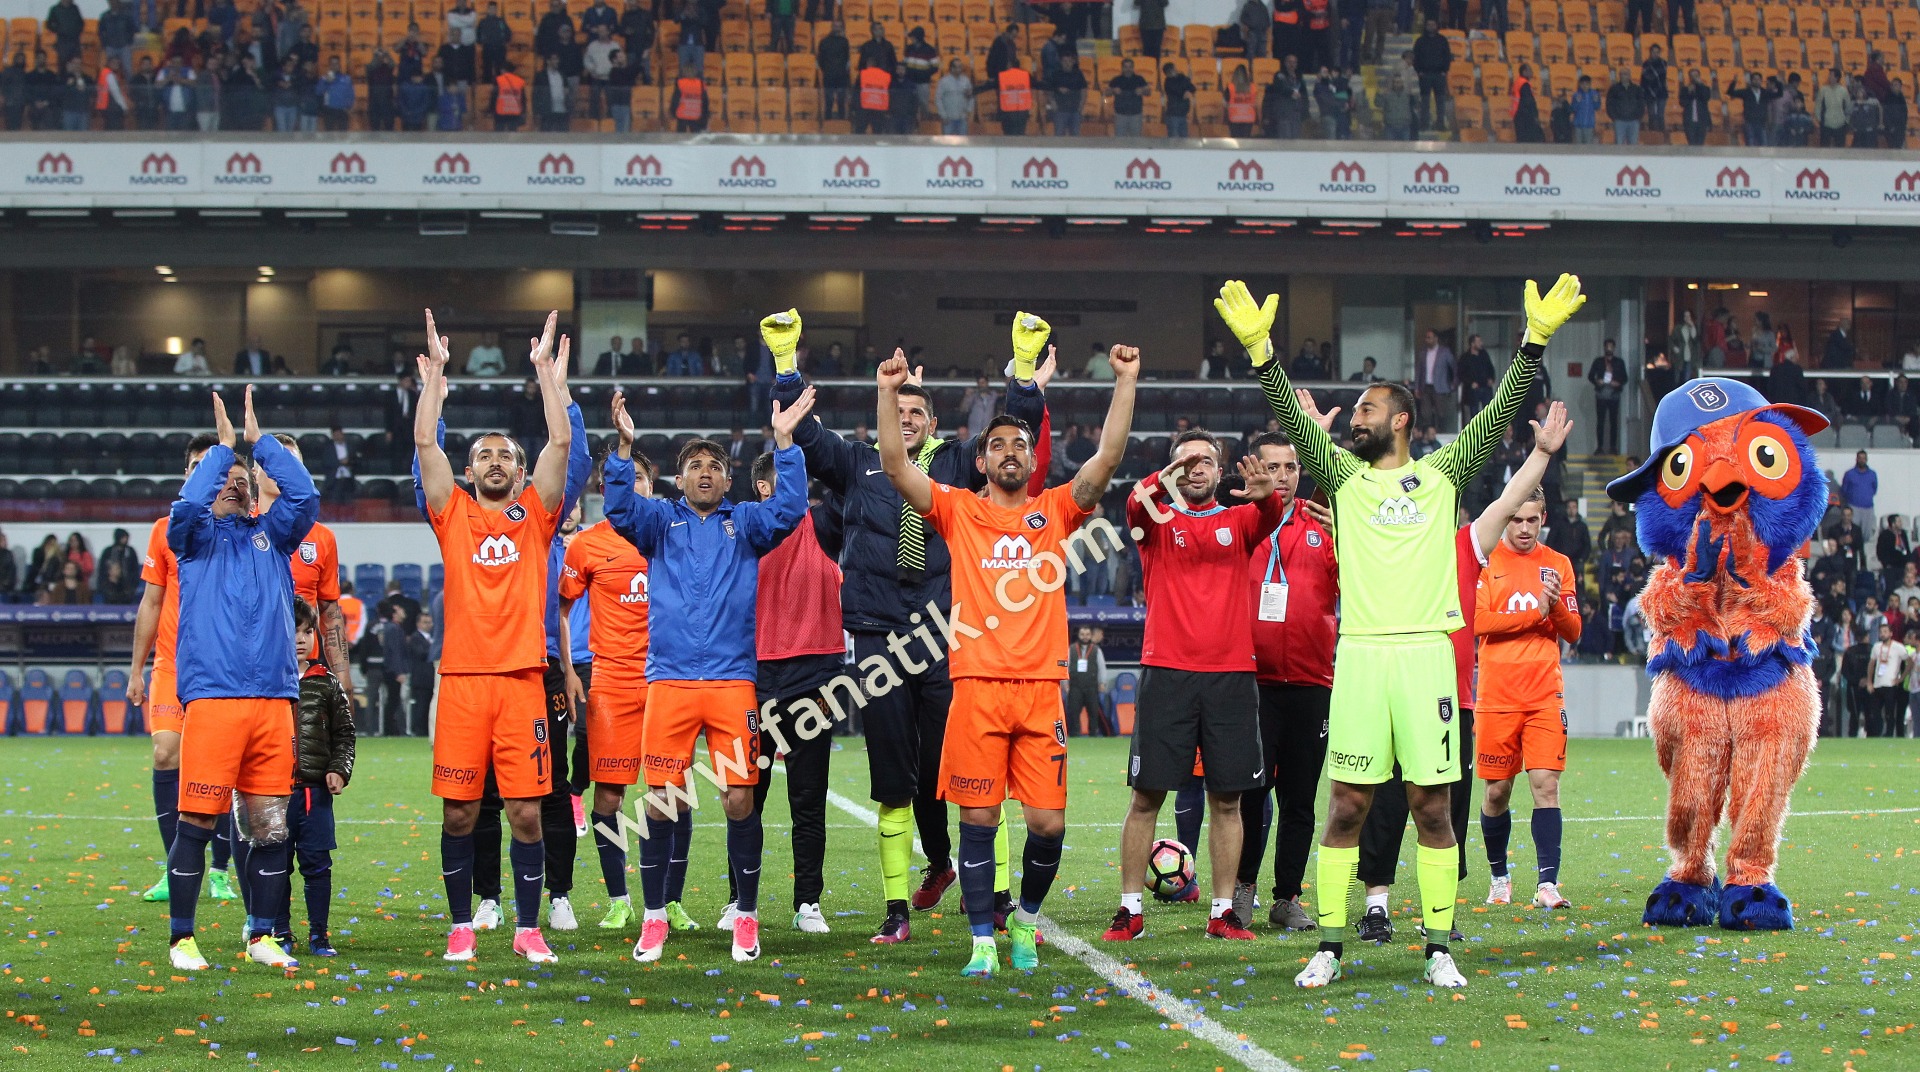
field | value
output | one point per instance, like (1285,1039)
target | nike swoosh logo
(1442,770)
(1436,911)
(270,874)
(532,878)
(676,524)
(982,863)
(900,834)
(745,871)
(189,874)
(450,874)
(870,472)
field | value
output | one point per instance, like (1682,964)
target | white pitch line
(1125,979)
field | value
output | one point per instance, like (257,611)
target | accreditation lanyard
(1273,594)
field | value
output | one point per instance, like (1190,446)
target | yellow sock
(1439,873)
(1335,872)
(1002,866)
(896,850)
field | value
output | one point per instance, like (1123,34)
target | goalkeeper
(894,566)
(1394,536)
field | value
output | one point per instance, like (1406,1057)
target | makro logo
(1733,183)
(556,169)
(955,173)
(1906,188)
(1633,181)
(348,169)
(452,169)
(1142,175)
(1009,552)
(748,171)
(1533,180)
(243,169)
(1429,178)
(158,169)
(496,551)
(1522,601)
(1245,176)
(1347,177)
(1040,173)
(1812,184)
(642,171)
(636,591)
(1398,510)
(851,173)
(55,169)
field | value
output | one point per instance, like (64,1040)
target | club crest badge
(1408,484)
(260,541)
(516,512)
(1036,520)
(1313,539)
(308,552)
(1224,536)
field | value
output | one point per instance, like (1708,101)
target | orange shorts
(1005,739)
(1509,742)
(677,713)
(164,714)
(229,745)
(616,721)
(492,718)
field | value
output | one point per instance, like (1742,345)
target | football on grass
(1169,869)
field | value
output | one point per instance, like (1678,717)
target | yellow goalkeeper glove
(1249,321)
(781,331)
(1545,313)
(1029,339)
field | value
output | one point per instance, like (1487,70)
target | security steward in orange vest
(1016,99)
(509,99)
(689,104)
(876,100)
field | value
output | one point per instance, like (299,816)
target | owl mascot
(1729,493)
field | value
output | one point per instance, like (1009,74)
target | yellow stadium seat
(736,68)
(1853,54)
(1496,78)
(1712,18)
(1906,24)
(1577,16)
(1469,111)
(1719,52)
(802,71)
(1686,50)
(1130,40)
(1620,49)
(770,107)
(1264,69)
(976,11)
(1460,79)
(1842,23)
(1586,48)
(1205,75)
(1555,48)
(1743,20)
(1754,55)
(1483,49)
(1519,46)
(1198,38)
(803,106)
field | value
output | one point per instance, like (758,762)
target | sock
(319,893)
(166,806)
(187,867)
(529,862)
(1439,883)
(1189,808)
(1377,900)
(613,854)
(681,840)
(1495,830)
(1002,857)
(456,873)
(746,840)
(1220,906)
(652,913)
(1546,842)
(656,852)
(976,877)
(896,851)
(1334,872)
(1130,902)
(271,888)
(243,866)
(222,842)
(1039,865)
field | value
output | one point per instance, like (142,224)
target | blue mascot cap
(1697,403)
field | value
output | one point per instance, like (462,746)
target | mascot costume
(1729,493)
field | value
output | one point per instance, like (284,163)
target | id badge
(1273,602)
(1080,666)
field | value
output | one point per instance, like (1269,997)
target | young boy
(322,766)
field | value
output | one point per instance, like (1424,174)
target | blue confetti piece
(1439,1040)
(342,1040)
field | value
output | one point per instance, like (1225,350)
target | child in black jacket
(323,764)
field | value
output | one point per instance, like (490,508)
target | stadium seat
(36,701)
(370,578)
(76,704)
(1686,51)
(1577,17)
(1484,49)
(1743,19)
(1519,47)
(1620,50)
(409,576)
(1555,48)
(1125,695)
(436,579)
(1585,48)
(1906,24)
(1712,19)
(10,715)
(1754,55)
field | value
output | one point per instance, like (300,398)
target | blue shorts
(310,820)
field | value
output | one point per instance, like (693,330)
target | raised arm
(640,520)
(579,458)
(1090,483)
(1252,324)
(435,471)
(1463,458)
(193,510)
(1547,440)
(292,515)
(913,485)
(830,458)
(550,472)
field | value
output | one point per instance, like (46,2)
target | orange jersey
(316,568)
(496,583)
(163,569)
(1519,644)
(1003,562)
(354,614)
(603,565)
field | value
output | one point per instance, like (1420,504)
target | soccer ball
(1169,870)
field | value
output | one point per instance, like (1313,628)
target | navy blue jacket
(874,598)
(236,594)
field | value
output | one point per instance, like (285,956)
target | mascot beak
(1725,492)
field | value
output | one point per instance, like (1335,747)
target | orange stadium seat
(1496,78)
(1712,18)
(770,107)
(76,703)
(770,69)
(1719,52)
(1577,16)
(736,68)
(1620,49)
(802,71)
(1205,74)
(1562,76)
(1754,55)
(1130,40)
(976,11)
(1610,16)
(1686,50)
(1842,23)
(1555,47)
(1460,79)
(1876,24)
(1484,49)
(1198,38)
(1743,19)
(1519,46)
(1263,70)
(1906,24)
(1853,54)
(1586,48)
(1777,19)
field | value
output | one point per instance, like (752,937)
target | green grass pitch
(84,977)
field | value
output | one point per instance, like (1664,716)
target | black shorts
(906,727)
(1216,713)
(310,819)
(802,675)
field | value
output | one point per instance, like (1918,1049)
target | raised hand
(1547,312)
(1549,591)
(1043,375)
(1312,409)
(786,419)
(622,420)
(1125,362)
(540,350)
(1317,511)
(222,424)
(1257,480)
(1552,435)
(251,425)
(436,358)
(781,333)
(562,362)
(892,374)
(1249,321)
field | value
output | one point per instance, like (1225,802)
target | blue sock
(976,877)
(746,839)
(613,854)
(1189,808)
(1039,864)
(187,867)
(1546,842)
(529,862)
(242,867)
(456,873)
(318,888)
(681,841)
(166,806)
(1495,830)
(269,886)
(223,842)
(655,851)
